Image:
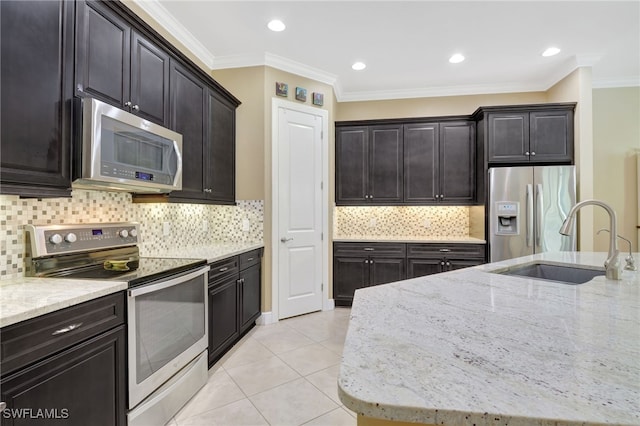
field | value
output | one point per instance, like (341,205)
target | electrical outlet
(427,224)
(372,222)
(246,225)
(166,228)
(205,225)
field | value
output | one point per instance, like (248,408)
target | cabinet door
(386,164)
(352,165)
(224,326)
(86,384)
(103,44)
(422,267)
(220,153)
(457,163)
(551,136)
(249,297)
(149,80)
(508,137)
(349,274)
(386,270)
(421,163)
(188,106)
(37,89)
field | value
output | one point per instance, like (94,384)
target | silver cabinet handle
(441,196)
(442,263)
(533,153)
(437,196)
(366,261)
(369,249)
(223,269)
(445,250)
(284,239)
(67,329)
(136,108)
(128,104)
(448,263)
(250,259)
(207,189)
(526,153)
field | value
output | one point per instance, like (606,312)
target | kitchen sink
(551,272)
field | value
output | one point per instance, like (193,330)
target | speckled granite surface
(473,347)
(25,298)
(29,297)
(407,239)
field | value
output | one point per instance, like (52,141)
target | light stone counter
(407,239)
(472,347)
(29,297)
(212,252)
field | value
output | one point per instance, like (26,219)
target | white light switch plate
(166,228)
(246,225)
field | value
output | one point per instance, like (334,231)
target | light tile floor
(279,374)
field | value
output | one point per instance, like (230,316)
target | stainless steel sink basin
(549,272)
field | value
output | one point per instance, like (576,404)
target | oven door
(167,329)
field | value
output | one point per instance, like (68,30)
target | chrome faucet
(612,265)
(631,262)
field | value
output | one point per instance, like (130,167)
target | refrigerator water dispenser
(507,218)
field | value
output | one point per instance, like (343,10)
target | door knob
(284,239)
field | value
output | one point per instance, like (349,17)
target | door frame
(275,192)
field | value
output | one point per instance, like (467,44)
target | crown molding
(633,81)
(176,29)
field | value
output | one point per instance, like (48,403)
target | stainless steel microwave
(124,152)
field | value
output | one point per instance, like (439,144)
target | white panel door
(300,212)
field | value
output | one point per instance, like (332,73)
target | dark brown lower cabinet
(234,300)
(359,265)
(427,259)
(84,384)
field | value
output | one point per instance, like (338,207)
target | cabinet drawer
(37,338)
(250,258)
(223,269)
(370,249)
(446,250)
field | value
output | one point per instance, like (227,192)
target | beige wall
(576,87)
(247,84)
(616,141)
(431,107)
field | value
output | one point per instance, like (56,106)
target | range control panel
(61,239)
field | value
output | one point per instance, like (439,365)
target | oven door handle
(144,289)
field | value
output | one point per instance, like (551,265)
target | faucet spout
(612,264)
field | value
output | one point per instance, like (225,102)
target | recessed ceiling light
(359,66)
(456,59)
(276,25)
(551,51)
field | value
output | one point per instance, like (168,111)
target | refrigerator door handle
(529,218)
(539,217)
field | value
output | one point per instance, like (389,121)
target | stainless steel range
(166,307)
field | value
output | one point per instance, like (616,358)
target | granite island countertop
(473,347)
(24,298)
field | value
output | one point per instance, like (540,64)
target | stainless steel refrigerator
(527,206)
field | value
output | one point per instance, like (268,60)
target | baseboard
(329,305)
(266,318)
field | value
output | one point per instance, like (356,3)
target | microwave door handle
(176,149)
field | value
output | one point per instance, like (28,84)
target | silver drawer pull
(223,269)
(369,249)
(250,259)
(445,250)
(67,329)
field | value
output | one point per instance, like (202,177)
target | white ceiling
(406,44)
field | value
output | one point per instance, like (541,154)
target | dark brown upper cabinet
(118,65)
(411,163)
(220,154)
(540,134)
(369,166)
(37,93)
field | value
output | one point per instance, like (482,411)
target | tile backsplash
(189,224)
(401,221)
